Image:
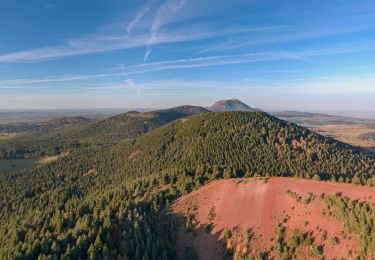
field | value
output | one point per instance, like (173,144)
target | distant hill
(67,121)
(230,105)
(104,132)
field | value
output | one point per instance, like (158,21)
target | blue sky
(276,55)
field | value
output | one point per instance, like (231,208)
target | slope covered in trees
(105,132)
(108,201)
(240,144)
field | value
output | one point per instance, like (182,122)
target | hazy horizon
(117,110)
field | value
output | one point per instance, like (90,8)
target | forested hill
(237,144)
(105,132)
(108,203)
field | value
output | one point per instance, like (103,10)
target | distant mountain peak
(232,104)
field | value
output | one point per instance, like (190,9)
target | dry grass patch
(9,136)
(48,159)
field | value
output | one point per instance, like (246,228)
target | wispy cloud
(165,14)
(288,35)
(330,84)
(74,47)
(144,10)
(208,61)
(51,79)
(137,87)
(99,43)
(158,66)
(103,43)
(124,85)
(198,62)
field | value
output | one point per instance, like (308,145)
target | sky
(272,54)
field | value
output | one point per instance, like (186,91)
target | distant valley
(355,131)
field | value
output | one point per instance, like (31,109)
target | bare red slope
(259,205)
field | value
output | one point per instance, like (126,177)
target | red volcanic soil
(259,205)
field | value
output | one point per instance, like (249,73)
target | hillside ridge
(92,133)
